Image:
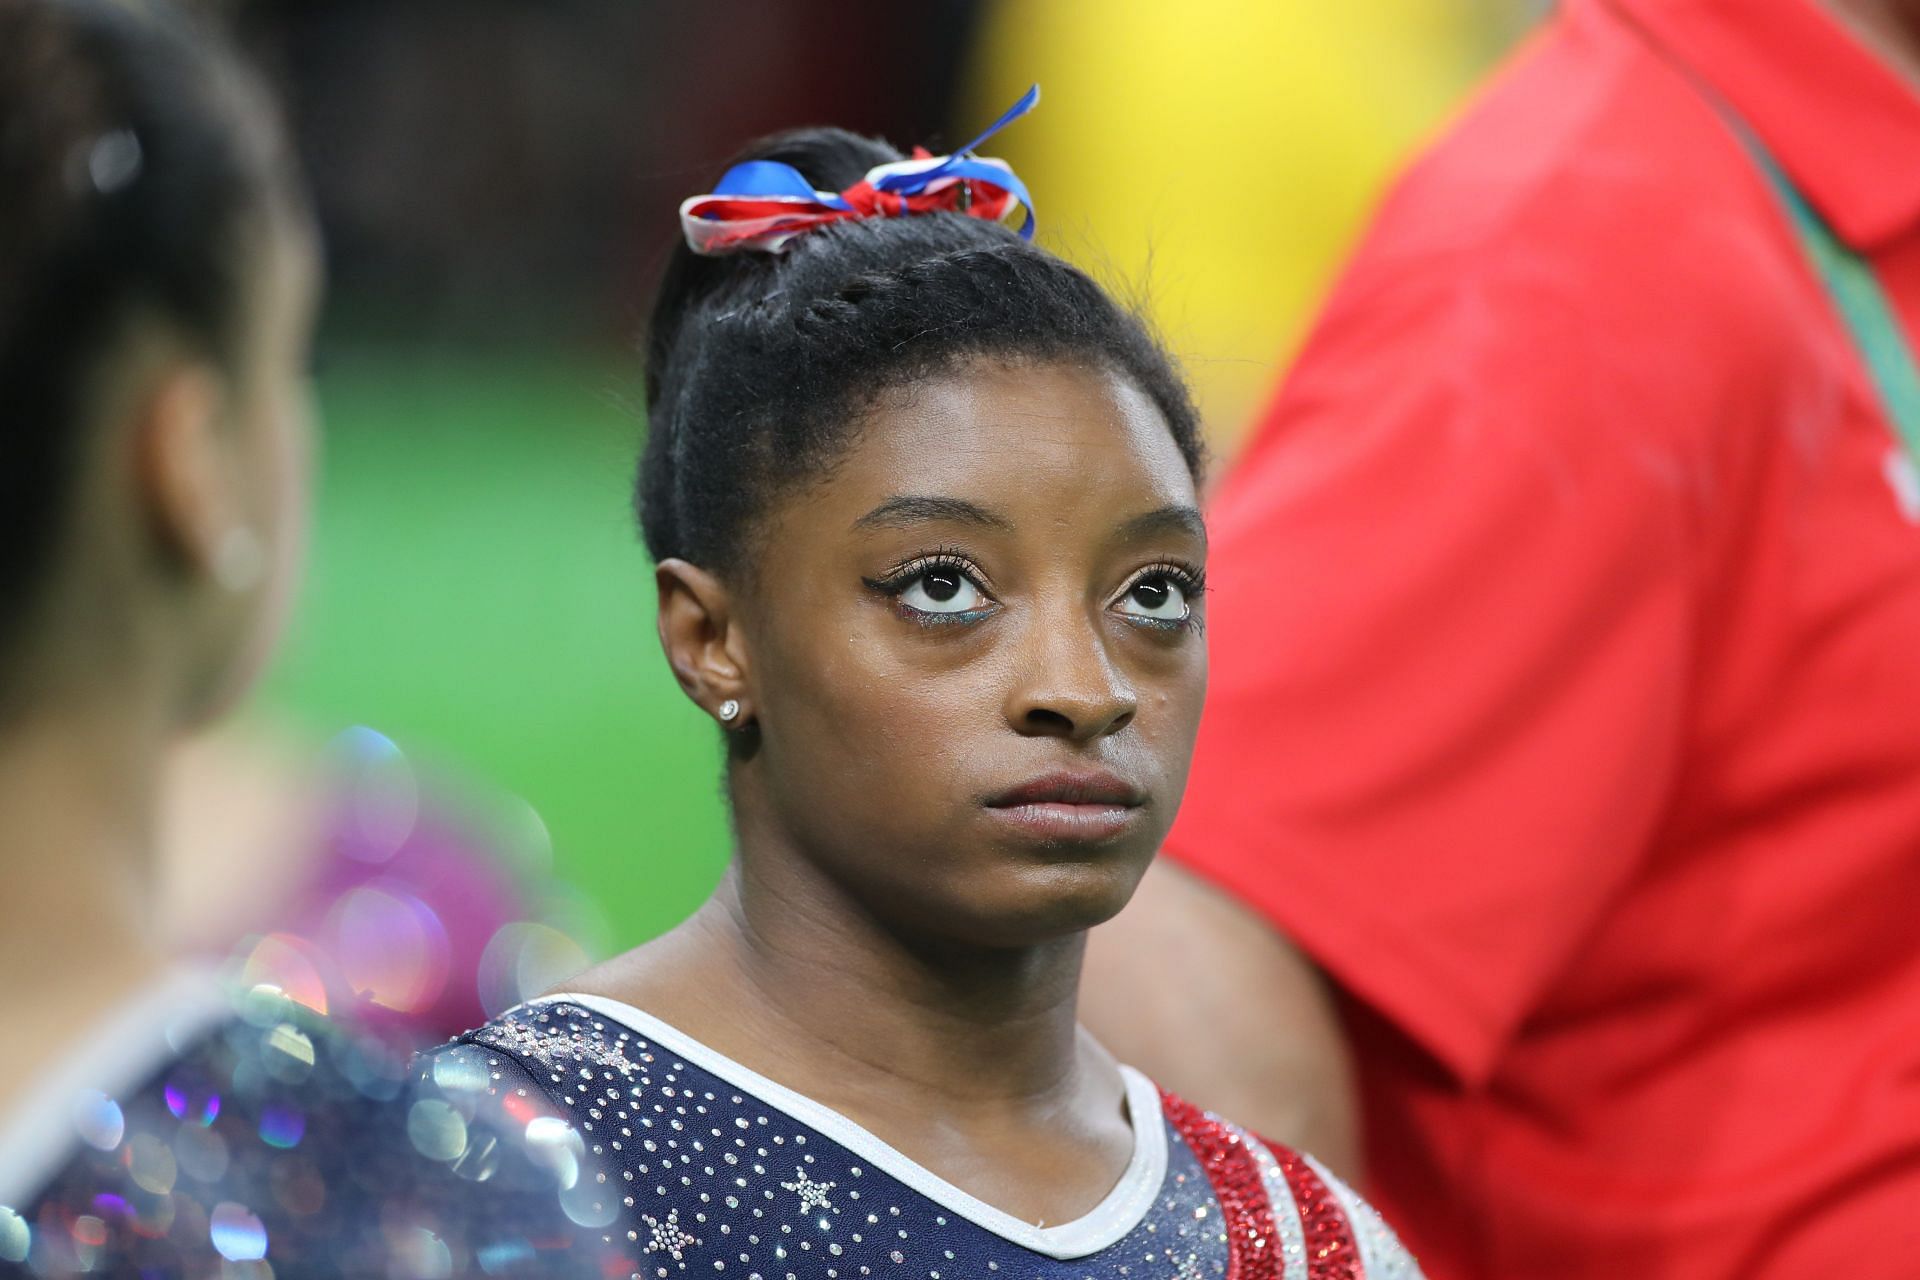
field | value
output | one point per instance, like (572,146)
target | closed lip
(1093,788)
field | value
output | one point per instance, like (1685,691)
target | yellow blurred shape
(1216,157)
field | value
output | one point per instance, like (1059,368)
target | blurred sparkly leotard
(266,1141)
(708,1169)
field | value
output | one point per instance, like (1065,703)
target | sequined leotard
(265,1142)
(707,1169)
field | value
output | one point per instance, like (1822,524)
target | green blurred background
(478,593)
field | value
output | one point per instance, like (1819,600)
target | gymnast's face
(974,660)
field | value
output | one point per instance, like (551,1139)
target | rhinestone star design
(555,1047)
(813,1195)
(668,1237)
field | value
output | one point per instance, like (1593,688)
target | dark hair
(134,153)
(760,365)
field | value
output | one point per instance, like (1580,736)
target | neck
(1891,28)
(986,1025)
(794,974)
(958,1056)
(78,792)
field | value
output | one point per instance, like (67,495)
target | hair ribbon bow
(763,204)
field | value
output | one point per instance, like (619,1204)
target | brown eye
(943,589)
(942,585)
(1154,596)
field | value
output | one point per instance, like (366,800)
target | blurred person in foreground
(1554,831)
(921,500)
(158,277)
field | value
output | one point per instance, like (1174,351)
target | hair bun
(829,158)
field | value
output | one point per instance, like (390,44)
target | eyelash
(1191,579)
(896,581)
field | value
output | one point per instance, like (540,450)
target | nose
(1069,686)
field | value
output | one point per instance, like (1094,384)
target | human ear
(700,634)
(186,480)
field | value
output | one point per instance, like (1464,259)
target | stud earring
(729,711)
(240,560)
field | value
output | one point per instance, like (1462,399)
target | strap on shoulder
(1233,1169)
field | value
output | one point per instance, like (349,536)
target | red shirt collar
(1841,121)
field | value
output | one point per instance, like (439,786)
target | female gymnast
(158,276)
(922,502)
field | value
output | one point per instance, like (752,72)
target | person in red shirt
(1552,848)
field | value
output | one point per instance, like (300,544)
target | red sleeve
(1456,585)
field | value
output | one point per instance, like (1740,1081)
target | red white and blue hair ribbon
(763,204)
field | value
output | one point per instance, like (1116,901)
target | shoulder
(1585,282)
(556,1045)
(1335,1219)
(602,1105)
(1587,134)
(284,1137)
(1278,1198)
(1590,189)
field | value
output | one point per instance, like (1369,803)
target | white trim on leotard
(117,1055)
(1106,1224)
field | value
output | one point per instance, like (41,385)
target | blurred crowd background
(498,183)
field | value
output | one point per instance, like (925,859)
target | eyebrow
(911,509)
(1177,518)
(906,510)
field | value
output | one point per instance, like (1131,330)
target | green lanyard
(1863,306)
